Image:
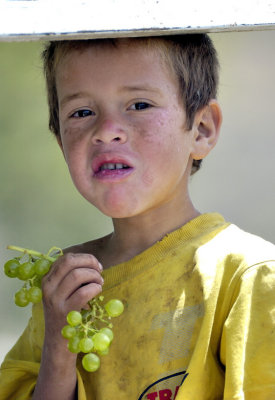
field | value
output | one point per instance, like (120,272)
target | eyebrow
(71,97)
(146,88)
(78,95)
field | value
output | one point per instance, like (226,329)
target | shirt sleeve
(20,368)
(248,339)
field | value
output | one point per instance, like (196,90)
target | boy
(134,118)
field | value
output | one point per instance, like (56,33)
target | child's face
(120,108)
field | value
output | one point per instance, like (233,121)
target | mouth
(109,167)
(112,166)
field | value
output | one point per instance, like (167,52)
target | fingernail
(100,266)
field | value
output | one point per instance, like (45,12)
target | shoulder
(234,255)
(95,247)
(235,242)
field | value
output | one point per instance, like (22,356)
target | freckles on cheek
(72,135)
(155,128)
(71,139)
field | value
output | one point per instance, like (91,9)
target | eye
(140,105)
(82,114)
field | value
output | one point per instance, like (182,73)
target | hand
(72,281)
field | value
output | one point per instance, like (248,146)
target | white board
(59,19)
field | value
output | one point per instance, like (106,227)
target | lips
(111,166)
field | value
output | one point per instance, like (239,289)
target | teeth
(113,166)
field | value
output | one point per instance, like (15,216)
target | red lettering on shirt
(165,394)
(176,392)
(152,396)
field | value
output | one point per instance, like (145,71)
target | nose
(109,131)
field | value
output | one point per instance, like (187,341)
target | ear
(206,127)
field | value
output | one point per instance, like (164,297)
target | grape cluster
(90,331)
(30,267)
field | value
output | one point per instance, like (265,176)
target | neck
(133,235)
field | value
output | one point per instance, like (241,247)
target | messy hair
(192,57)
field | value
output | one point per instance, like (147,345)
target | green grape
(37,281)
(74,318)
(25,271)
(11,268)
(42,266)
(73,344)
(90,362)
(114,308)
(108,332)
(86,345)
(31,272)
(68,331)
(86,323)
(101,341)
(21,298)
(35,294)
(104,353)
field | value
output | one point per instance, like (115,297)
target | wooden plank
(59,19)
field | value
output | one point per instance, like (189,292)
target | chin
(118,205)
(119,210)
(117,213)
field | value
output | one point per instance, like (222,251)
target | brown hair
(192,57)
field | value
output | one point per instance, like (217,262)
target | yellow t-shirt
(199,323)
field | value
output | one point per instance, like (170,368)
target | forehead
(125,49)
(120,64)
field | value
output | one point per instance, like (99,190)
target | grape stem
(34,253)
(97,312)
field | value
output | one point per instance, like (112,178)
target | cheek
(159,145)
(154,133)
(165,147)
(159,137)
(72,141)
(148,177)
(72,136)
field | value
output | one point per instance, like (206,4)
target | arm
(73,280)
(57,375)
(248,340)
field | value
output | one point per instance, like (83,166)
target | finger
(77,278)
(63,265)
(82,295)
(71,260)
